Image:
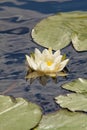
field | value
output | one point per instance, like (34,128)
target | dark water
(17,18)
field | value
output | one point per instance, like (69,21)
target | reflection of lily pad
(18,115)
(63,120)
(57,31)
(79,85)
(74,102)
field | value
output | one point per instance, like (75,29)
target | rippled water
(17,18)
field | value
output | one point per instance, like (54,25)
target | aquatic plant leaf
(51,33)
(79,85)
(74,102)
(59,30)
(79,39)
(18,114)
(63,120)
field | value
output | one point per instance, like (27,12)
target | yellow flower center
(49,63)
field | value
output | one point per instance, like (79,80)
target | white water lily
(46,63)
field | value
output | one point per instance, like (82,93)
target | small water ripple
(17,18)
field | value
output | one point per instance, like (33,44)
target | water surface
(17,18)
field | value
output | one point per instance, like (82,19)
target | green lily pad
(59,30)
(18,114)
(63,120)
(74,102)
(79,85)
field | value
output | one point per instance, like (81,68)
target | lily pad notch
(59,30)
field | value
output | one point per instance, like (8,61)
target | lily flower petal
(38,56)
(58,59)
(47,52)
(37,52)
(63,64)
(31,62)
(57,53)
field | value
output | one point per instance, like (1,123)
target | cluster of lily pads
(19,114)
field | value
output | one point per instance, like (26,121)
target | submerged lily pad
(59,30)
(63,120)
(74,102)
(79,85)
(18,114)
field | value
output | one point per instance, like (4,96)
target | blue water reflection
(17,18)
(47,6)
(17,31)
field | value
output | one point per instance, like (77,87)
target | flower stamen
(49,63)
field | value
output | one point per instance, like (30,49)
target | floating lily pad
(59,30)
(63,120)
(79,85)
(74,102)
(18,114)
